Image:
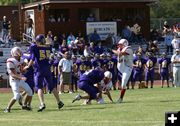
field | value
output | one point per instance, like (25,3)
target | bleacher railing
(27,38)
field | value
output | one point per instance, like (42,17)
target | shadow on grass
(169,100)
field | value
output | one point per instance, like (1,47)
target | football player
(40,54)
(14,69)
(124,65)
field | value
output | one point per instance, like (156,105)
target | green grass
(141,107)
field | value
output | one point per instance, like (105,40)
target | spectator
(70,38)
(175,59)
(5,28)
(166,28)
(52,19)
(65,70)
(86,51)
(176,42)
(63,48)
(94,37)
(127,33)
(29,26)
(91,18)
(56,43)
(61,18)
(99,48)
(168,39)
(49,38)
(62,37)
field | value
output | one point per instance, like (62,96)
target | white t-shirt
(176,43)
(13,63)
(66,65)
(126,60)
(175,57)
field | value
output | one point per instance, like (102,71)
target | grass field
(141,107)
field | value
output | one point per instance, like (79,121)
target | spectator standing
(29,26)
(65,70)
(175,59)
(5,28)
(94,37)
(168,39)
(176,42)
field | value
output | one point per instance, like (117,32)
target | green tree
(166,9)
(14,2)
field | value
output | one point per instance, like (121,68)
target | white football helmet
(108,74)
(123,42)
(16,51)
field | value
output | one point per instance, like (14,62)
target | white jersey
(106,86)
(13,63)
(125,61)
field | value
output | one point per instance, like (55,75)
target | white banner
(102,28)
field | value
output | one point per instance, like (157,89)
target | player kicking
(16,80)
(124,65)
(40,57)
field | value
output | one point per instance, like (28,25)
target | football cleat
(6,110)
(60,105)
(77,98)
(28,108)
(86,102)
(120,100)
(41,108)
(101,101)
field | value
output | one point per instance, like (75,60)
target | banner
(102,28)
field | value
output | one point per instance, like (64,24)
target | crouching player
(86,83)
(17,80)
(106,84)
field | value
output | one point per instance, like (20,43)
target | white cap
(108,74)
(123,42)
(16,51)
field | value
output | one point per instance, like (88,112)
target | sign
(102,28)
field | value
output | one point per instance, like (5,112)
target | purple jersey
(63,49)
(30,72)
(81,66)
(96,63)
(150,62)
(164,62)
(99,50)
(88,64)
(140,63)
(92,76)
(40,56)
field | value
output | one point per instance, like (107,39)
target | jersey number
(44,54)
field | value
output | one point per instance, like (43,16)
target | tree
(166,9)
(15,2)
